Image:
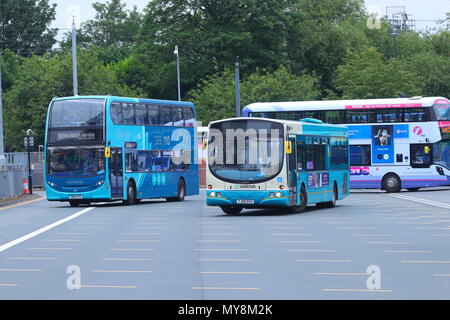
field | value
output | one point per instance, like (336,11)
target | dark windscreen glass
(77,113)
(441,153)
(245,151)
(75,162)
(442,112)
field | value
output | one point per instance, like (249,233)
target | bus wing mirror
(107,152)
(288,147)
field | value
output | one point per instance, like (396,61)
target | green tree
(210,35)
(433,72)
(112,31)
(215,98)
(25,26)
(39,79)
(366,75)
(321,33)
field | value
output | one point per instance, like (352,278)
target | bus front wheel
(74,203)
(303,202)
(392,183)
(231,209)
(181,192)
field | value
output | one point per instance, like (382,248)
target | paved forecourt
(160,250)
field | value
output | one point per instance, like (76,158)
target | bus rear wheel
(181,192)
(232,210)
(131,194)
(332,203)
(303,202)
(391,183)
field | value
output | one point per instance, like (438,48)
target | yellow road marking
(138,240)
(105,286)
(222,288)
(308,250)
(425,261)
(221,249)
(21,204)
(31,258)
(310,260)
(132,249)
(26,270)
(123,271)
(229,272)
(236,260)
(49,248)
(408,251)
(342,273)
(125,259)
(359,290)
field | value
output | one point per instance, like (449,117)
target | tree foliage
(215,97)
(39,79)
(366,75)
(25,26)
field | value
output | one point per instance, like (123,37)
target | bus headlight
(51,184)
(272,195)
(278,194)
(212,194)
(218,194)
(100,183)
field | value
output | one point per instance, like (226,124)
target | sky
(419,9)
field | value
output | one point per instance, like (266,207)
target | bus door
(292,171)
(116,172)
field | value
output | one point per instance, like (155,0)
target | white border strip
(43,229)
(430,202)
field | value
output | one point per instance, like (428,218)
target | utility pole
(178,72)
(238,89)
(2,154)
(74,58)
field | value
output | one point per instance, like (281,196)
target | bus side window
(177,114)
(116,113)
(189,118)
(141,114)
(165,114)
(128,114)
(153,115)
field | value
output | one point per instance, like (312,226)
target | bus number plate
(76,196)
(245,201)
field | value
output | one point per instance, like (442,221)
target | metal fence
(11,183)
(19,161)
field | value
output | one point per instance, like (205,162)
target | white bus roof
(341,104)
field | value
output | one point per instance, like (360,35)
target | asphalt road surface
(161,250)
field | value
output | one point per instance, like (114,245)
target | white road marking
(424,201)
(43,229)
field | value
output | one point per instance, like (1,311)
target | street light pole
(238,89)
(30,175)
(74,58)
(178,72)
(2,154)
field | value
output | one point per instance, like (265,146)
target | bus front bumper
(248,199)
(101,194)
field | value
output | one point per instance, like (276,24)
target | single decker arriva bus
(106,148)
(263,163)
(401,143)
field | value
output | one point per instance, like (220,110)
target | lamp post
(74,58)
(2,155)
(394,36)
(178,72)
(238,89)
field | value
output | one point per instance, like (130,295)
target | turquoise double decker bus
(106,148)
(260,163)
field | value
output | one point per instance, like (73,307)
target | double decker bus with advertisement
(106,148)
(401,143)
(263,163)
